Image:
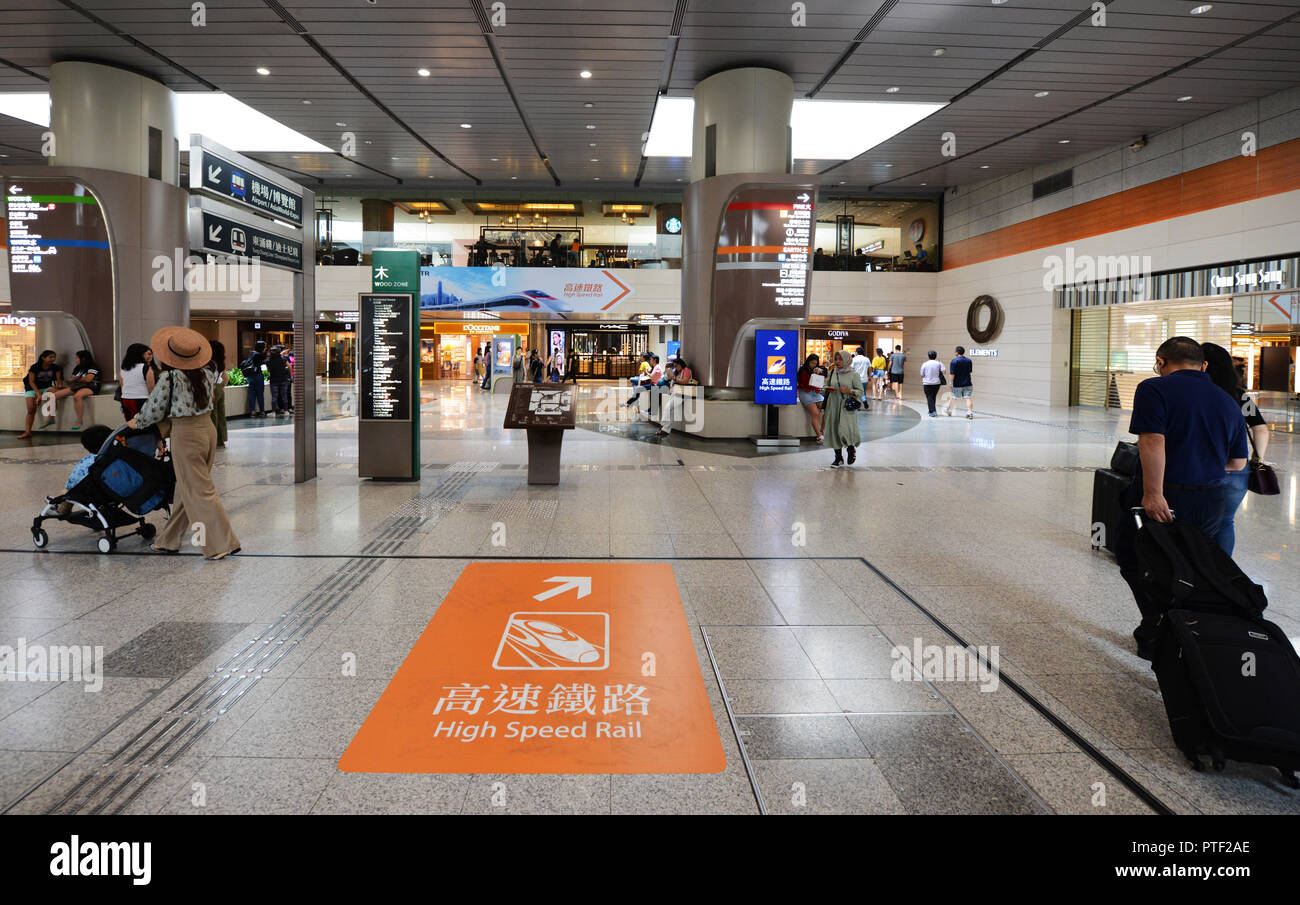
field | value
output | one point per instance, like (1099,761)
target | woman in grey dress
(841,425)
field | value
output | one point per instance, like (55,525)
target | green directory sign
(389,444)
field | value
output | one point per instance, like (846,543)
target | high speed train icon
(526,300)
(539,641)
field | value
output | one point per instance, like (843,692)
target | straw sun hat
(181,347)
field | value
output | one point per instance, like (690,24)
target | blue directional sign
(776,363)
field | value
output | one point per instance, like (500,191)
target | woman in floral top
(184,395)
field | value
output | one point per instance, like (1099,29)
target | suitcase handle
(1139,514)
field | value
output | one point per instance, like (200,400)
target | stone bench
(101,408)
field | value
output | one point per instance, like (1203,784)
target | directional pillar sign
(221,229)
(235,179)
(547,668)
(776,366)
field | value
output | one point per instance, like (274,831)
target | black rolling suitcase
(1108,488)
(1230,679)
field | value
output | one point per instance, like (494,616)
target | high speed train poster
(547,291)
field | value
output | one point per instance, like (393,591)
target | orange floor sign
(547,668)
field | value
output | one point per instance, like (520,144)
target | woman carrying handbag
(843,400)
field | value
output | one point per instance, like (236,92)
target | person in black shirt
(960,368)
(280,378)
(41,378)
(571,367)
(1219,367)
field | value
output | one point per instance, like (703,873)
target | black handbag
(1263,480)
(1124,459)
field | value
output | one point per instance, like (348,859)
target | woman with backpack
(843,400)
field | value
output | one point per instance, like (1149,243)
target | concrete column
(376,224)
(744,114)
(101,117)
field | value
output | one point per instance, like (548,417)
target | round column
(101,117)
(742,123)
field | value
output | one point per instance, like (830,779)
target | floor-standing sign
(261,216)
(776,367)
(388,431)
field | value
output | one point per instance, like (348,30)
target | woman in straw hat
(184,395)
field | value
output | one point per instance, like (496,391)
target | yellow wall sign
(477,329)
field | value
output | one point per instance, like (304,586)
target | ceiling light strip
(879,16)
(665,77)
(139,45)
(489,38)
(1118,94)
(24,70)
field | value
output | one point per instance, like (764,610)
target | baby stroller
(126,482)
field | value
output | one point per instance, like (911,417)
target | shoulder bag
(1263,480)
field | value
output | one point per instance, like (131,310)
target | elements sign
(387,377)
(776,365)
(230,182)
(223,235)
(561,668)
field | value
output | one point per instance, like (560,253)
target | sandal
(76,425)
(224,555)
(157,549)
(46,423)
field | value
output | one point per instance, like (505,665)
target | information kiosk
(545,411)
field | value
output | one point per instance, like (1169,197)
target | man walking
(960,368)
(897,362)
(1188,436)
(862,365)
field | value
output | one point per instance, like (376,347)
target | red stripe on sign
(760,206)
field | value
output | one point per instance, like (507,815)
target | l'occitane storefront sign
(475,329)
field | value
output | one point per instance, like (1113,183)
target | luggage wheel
(1290,780)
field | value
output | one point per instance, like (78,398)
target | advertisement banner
(547,291)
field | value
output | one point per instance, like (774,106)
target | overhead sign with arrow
(234,178)
(224,230)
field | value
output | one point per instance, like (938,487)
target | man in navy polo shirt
(1188,436)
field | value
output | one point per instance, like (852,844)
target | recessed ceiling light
(307,102)
(591,144)
(1041,93)
(348,175)
(495,159)
(679,180)
(925,183)
(514,177)
(262,70)
(423,72)
(591,125)
(467,125)
(1064,141)
(597,178)
(1184,98)
(1202,9)
(995,3)
(984,166)
(588,105)
(586,73)
(340,124)
(893,89)
(938,51)
(843,181)
(595,160)
(394,158)
(886,164)
(369,142)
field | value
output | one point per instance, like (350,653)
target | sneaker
(838,462)
(970,417)
(948,412)
(934,414)
(853,454)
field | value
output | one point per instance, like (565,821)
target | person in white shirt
(931,379)
(862,365)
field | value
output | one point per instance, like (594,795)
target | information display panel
(229,177)
(388,384)
(221,229)
(541,405)
(776,365)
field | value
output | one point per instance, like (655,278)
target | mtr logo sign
(601,678)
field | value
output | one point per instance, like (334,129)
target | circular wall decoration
(916,230)
(994,325)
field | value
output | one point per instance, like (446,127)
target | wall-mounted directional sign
(224,230)
(234,178)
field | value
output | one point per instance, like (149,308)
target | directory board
(387,369)
(776,365)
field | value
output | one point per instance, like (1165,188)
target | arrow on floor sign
(583,584)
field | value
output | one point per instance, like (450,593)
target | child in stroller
(127,476)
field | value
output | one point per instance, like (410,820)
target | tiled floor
(798,581)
